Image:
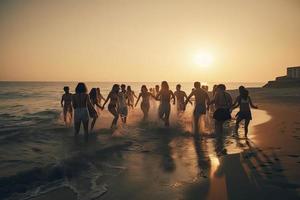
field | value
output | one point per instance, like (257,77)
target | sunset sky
(148,40)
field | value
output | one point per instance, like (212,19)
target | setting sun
(203,59)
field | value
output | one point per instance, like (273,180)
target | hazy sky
(148,40)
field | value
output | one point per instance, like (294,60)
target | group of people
(121,98)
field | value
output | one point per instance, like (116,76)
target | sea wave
(25,183)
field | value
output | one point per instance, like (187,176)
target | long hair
(144,88)
(93,93)
(164,86)
(244,93)
(81,88)
(115,88)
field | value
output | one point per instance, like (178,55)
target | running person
(95,102)
(244,102)
(130,96)
(180,97)
(81,102)
(164,96)
(145,105)
(123,108)
(113,98)
(223,103)
(66,103)
(201,102)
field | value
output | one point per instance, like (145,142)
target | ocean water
(38,153)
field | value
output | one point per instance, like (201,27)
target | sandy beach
(187,167)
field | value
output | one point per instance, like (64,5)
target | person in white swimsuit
(81,103)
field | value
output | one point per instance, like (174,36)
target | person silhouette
(81,103)
(244,102)
(145,104)
(164,96)
(66,104)
(113,98)
(201,102)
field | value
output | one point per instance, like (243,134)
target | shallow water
(38,153)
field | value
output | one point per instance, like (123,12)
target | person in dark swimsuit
(113,98)
(95,102)
(66,104)
(145,105)
(81,103)
(223,103)
(201,102)
(244,102)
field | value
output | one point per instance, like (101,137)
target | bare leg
(65,114)
(77,127)
(93,123)
(86,129)
(196,124)
(114,112)
(237,125)
(247,121)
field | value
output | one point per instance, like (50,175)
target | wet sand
(182,166)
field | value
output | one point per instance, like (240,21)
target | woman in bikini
(113,98)
(95,102)
(81,104)
(130,96)
(145,104)
(164,96)
(244,102)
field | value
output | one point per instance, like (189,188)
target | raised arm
(106,100)
(236,103)
(188,98)
(184,94)
(97,104)
(251,104)
(101,97)
(138,99)
(172,96)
